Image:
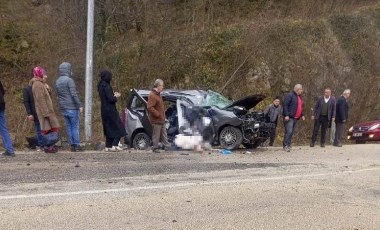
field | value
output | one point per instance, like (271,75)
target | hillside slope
(234,47)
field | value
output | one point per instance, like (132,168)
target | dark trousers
(322,122)
(159,134)
(339,131)
(113,141)
(272,135)
(290,127)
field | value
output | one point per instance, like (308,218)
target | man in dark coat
(323,113)
(28,99)
(292,112)
(272,115)
(112,126)
(341,117)
(157,116)
(7,141)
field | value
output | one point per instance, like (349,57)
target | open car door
(143,115)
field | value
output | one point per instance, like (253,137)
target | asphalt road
(308,188)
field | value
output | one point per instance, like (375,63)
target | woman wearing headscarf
(112,126)
(44,106)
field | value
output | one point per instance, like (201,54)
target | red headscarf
(38,71)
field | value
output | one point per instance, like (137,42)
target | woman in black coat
(112,126)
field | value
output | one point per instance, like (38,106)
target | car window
(167,104)
(196,100)
(138,103)
(215,99)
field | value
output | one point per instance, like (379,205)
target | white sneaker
(123,147)
(113,149)
(117,148)
(107,149)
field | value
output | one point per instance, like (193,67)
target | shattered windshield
(215,99)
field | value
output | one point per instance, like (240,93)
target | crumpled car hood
(248,102)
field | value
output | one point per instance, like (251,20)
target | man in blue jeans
(70,105)
(292,112)
(6,138)
(30,108)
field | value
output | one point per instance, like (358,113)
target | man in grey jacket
(272,115)
(70,105)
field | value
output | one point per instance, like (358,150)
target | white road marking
(86,192)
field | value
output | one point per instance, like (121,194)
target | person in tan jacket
(157,116)
(44,106)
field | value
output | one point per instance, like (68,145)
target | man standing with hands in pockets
(157,116)
(70,105)
(323,113)
(292,112)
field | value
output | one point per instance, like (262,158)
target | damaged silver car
(224,122)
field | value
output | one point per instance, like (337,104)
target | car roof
(195,97)
(190,92)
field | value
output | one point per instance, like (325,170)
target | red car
(367,131)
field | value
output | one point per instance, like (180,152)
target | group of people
(39,108)
(326,111)
(112,125)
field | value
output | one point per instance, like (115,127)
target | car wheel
(141,141)
(360,142)
(230,138)
(252,146)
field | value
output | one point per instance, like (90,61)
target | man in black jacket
(341,117)
(7,141)
(323,113)
(292,112)
(30,108)
(272,115)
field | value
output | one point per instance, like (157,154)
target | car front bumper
(363,136)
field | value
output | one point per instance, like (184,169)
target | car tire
(141,141)
(252,146)
(360,142)
(230,138)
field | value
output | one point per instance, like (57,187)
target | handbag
(50,138)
